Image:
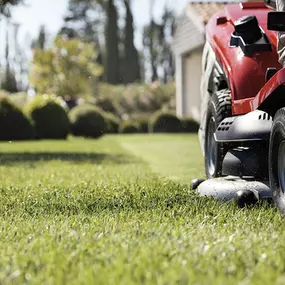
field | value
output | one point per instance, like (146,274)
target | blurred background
(115,57)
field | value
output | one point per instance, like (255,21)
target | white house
(188,42)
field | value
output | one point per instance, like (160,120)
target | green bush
(107,105)
(163,122)
(19,99)
(87,121)
(143,124)
(189,125)
(137,99)
(128,127)
(14,125)
(49,117)
(112,123)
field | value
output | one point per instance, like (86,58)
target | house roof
(205,10)
(190,28)
(188,35)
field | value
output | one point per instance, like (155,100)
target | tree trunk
(112,68)
(153,56)
(131,57)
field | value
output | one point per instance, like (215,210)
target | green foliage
(143,123)
(4,93)
(137,99)
(129,127)
(9,82)
(14,125)
(87,121)
(67,69)
(49,117)
(189,125)
(107,104)
(112,123)
(20,99)
(164,122)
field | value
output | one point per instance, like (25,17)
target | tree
(85,19)
(67,69)
(151,42)
(131,58)
(89,20)
(156,40)
(9,82)
(112,71)
(167,61)
(40,42)
(5,6)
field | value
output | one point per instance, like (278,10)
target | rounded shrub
(189,125)
(163,122)
(14,124)
(143,124)
(107,105)
(128,127)
(112,123)
(49,117)
(87,121)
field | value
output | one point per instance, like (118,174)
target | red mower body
(242,130)
(245,74)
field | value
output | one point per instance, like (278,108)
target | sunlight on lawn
(104,212)
(177,157)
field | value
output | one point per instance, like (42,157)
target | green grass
(175,157)
(119,211)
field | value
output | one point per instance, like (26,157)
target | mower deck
(227,188)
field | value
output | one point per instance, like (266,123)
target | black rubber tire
(220,107)
(276,138)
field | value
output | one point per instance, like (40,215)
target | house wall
(179,84)
(188,77)
(187,47)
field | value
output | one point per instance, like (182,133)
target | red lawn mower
(242,130)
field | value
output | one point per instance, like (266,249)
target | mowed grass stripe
(177,157)
(96,212)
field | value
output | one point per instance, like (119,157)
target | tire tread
(220,106)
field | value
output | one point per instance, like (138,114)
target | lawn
(120,211)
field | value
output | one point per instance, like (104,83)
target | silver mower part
(226,188)
(253,126)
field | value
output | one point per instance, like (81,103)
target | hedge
(129,127)
(87,121)
(164,122)
(49,117)
(14,124)
(189,125)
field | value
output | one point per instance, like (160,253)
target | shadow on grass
(11,158)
